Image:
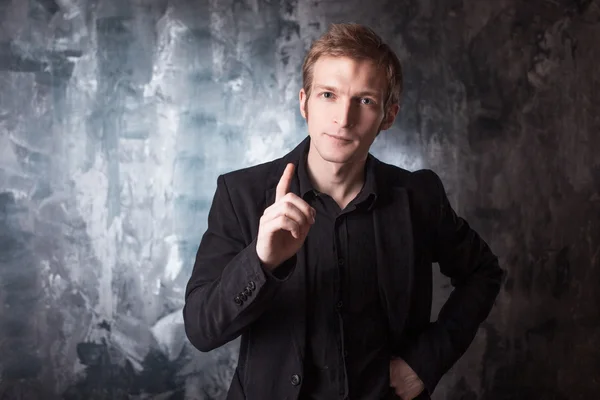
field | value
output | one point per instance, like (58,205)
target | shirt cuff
(282,272)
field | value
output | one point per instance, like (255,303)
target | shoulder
(425,194)
(424,182)
(424,188)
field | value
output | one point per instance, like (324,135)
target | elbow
(196,332)
(207,323)
(495,272)
(200,342)
(492,278)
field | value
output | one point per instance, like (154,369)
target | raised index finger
(284,183)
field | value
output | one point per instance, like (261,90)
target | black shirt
(347,355)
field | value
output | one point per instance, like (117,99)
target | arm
(228,288)
(476,276)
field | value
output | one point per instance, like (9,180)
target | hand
(404,380)
(284,225)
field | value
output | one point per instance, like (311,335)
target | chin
(336,153)
(335,158)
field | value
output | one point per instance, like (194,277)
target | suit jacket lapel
(395,257)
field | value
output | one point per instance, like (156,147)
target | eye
(327,95)
(366,101)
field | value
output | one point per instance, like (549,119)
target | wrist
(269,266)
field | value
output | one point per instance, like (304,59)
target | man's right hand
(284,225)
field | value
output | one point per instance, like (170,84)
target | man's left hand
(404,380)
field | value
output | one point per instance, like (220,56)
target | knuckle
(290,196)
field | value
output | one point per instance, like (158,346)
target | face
(345,111)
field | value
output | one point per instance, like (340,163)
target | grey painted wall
(117,116)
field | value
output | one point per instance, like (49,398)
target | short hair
(358,42)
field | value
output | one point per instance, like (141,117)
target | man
(321,260)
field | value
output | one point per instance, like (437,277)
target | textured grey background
(117,116)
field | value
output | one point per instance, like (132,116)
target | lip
(338,138)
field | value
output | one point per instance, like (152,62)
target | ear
(302,98)
(390,117)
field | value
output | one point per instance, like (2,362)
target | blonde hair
(359,43)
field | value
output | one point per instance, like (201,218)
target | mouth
(338,138)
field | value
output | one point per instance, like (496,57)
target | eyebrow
(360,94)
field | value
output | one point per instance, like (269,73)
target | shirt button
(339,304)
(295,379)
(340,261)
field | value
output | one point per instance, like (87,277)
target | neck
(341,181)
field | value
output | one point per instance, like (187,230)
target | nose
(344,115)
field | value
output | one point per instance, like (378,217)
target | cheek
(315,113)
(376,118)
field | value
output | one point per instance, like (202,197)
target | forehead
(346,71)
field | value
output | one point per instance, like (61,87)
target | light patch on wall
(165,64)
(91,192)
(264,148)
(170,334)
(400,156)
(174,262)
(274,132)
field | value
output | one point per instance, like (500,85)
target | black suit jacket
(229,295)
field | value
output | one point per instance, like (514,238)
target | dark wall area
(116,117)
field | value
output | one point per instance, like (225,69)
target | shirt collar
(368,194)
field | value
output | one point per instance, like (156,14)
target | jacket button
(247,292)
(238,301)
(244,296)
(252,285)
(295,379)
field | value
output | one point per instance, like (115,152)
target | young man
(321,260)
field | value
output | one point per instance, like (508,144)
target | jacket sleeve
(476,277)
(228,288)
